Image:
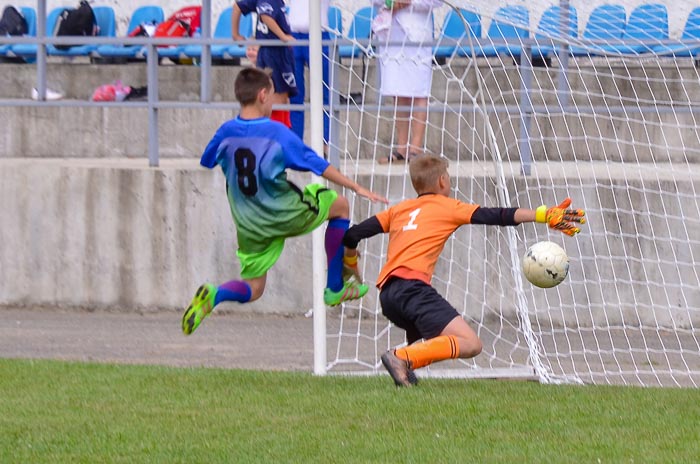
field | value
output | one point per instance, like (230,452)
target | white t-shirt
(299,15)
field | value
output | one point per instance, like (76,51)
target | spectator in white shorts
(406,70)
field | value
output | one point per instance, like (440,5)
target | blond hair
(426,171)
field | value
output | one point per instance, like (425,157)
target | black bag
(12,22)
(79,21)
(137,93)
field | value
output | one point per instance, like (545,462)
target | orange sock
(282,116)
(430,351)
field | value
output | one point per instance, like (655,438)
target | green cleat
(201,306)
(351,291)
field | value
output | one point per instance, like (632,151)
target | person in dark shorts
(272,25)
(418,229)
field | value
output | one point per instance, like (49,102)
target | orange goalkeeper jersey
(418,229)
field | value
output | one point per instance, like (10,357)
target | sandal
(393,157)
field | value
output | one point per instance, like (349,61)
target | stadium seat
(605,24)
(548,29)
(360,29)
(223,31)
(688,44)
(648,23)
(148,14)
(104,15)
(28,51)
(30,16)
(335,22)
(509,26)
(453,33)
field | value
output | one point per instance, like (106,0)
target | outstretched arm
(559,217)
(335,176)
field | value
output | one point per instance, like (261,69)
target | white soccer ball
(545,264)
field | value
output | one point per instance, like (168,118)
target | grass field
(55,412)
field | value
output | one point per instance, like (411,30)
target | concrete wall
(115,234)
(87,224)
(119,235)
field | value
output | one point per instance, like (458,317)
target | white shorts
(406,71)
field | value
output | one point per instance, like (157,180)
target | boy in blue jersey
(254,153)
(272,25)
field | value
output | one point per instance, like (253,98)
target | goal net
(533,102)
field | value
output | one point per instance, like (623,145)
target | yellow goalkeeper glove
(351,269)
(561,218)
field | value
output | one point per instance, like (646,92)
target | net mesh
(529,111)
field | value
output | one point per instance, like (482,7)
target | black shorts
(416,307)
(281,61)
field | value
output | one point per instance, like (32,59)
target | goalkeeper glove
(561,218)
(351,269)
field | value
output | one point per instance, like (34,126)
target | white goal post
(532,102)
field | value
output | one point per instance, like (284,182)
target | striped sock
(430,351)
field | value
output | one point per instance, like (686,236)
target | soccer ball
(545,264)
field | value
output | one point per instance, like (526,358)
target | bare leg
(280,98)
(257,286)
(402,124)
(340,208)
(419,118)
(469,342)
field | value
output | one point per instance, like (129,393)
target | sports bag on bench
(12,22)
(76,22)
(183,23)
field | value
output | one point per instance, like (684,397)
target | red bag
(183,23)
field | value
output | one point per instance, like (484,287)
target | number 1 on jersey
(412,223)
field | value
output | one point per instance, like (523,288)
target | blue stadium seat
(605,24)
(453,33)
(105,18)
(148,14)
(647,24)
(335,22)
(549,28)
(30,16)
(28,51)
(221,31)
(510,24)
(360,29)
(688,44)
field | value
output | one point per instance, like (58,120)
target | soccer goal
(532,102)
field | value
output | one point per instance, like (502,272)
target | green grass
(54,412)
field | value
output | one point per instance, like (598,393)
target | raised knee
(470,348)
(341,207)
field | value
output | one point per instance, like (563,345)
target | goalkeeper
(254,153)
(418,229)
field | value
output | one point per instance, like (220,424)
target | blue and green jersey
(254,156)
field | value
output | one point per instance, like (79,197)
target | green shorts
(312,210)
